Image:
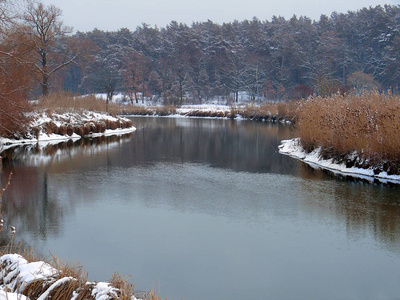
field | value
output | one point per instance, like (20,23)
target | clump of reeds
(264,111)
(138,110)
(66,282)
(268,111)
(66,101)
(165,110)
(62,102)
(368,124)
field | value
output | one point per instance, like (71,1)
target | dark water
(206,209)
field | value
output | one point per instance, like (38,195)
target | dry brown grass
(165,110)
(256,112)
(66,101)
(141,110)
(368,124)
(138,110)
(269,111)
(73,281)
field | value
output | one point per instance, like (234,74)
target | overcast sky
(85,15)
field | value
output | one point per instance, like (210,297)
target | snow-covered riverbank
(50,128)
(23,280)
(294,149)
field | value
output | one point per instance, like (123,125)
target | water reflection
(62,156)
(194,195)
(29,203)
(240,146)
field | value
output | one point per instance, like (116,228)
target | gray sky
(85,15)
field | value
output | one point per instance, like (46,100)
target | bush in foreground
(37,279)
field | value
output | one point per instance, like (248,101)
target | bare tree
(45,30)
(361,82)
(15,77)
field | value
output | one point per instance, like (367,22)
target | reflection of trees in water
(33,205)
(30,204)
(363,208)
(241,146)
(65,155)
(370,209)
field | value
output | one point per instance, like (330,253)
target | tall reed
(66,101)
(341,124)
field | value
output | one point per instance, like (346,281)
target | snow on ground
(185,109)
(16,273)
(121,98)
(11,296)
(39,119)
(294,149)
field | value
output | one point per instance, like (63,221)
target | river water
(206,209)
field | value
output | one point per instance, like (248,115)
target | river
(206,209)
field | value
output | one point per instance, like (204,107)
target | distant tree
(108,81)
(361,81)
(80,69)
(268,90)
(392,66)
(155,83)
(200,84)
(326,85)
(133,76)
(301,91)
(45,32)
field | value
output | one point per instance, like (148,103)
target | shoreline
(254,112)
(47,129)
(294,149)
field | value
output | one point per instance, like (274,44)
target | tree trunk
(45,85)
(109,98)
(45,76)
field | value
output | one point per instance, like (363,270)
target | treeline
(277,59)
(263,60)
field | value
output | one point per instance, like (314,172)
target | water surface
(207,209)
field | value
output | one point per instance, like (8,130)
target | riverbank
(48,127)
(346,166)
(357,135)
(267,112)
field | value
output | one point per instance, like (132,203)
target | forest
(265,60)
(259,60)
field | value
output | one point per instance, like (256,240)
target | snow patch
(11,296)
(103,291)
(185,109)
(16,273)
(44,139)
(294,149)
